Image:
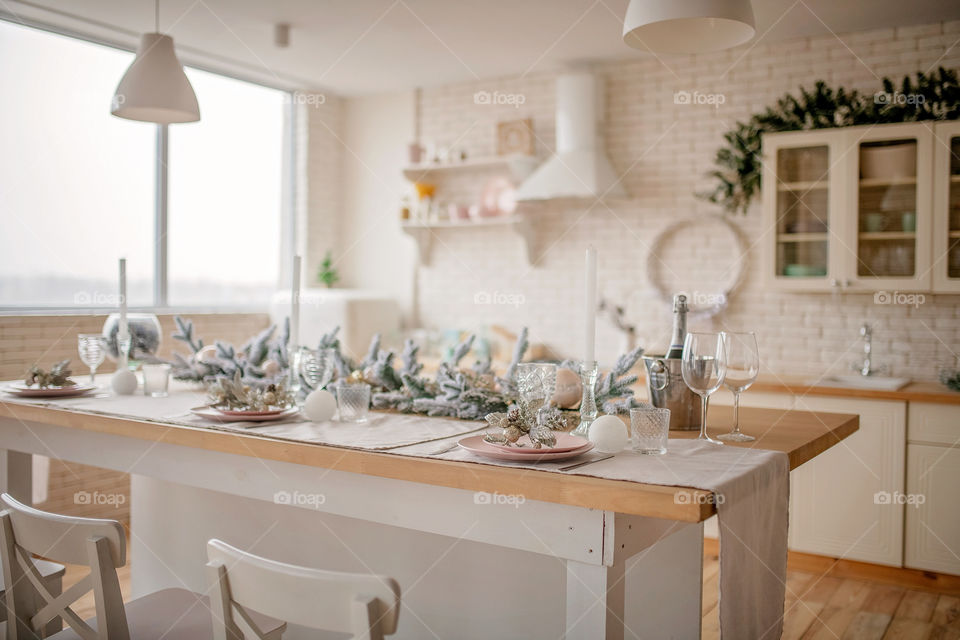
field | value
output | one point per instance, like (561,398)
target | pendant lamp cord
(156,16)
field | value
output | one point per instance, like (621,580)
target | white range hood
(580,168)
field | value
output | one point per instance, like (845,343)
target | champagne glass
(92,348)
(743,364)
(704,367)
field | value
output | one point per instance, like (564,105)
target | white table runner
(751,485)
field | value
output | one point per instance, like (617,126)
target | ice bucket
(667,390)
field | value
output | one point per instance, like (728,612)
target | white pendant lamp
(155,88)
(687,26)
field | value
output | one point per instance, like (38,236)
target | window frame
(160,304)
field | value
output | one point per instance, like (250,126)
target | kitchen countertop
(933,392)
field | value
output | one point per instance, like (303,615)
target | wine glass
(92,348)
(704,367)
(316,366)
(743,364)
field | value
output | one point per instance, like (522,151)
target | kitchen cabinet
(946,208)
(844,505)
(932,535)
(851,209)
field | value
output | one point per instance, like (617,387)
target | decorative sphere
(608,434)
(124,382)
(320,405)
(569,389)
(207,355)
(270,368)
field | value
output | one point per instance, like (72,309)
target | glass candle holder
(156,380)
(649,430)
(353,400)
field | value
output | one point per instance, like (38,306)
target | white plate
(476,445)
(24,391)
(209,413)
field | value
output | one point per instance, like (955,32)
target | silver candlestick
(588,402)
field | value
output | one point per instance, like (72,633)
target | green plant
(327,274)
(934,96)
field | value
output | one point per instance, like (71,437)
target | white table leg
(16,475)
(652,587)
(595,601)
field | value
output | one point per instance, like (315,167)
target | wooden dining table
(480,550)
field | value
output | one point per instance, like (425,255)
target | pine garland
(933,96)
(465,393)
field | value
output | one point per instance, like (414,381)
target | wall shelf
(519,167)
(425,232)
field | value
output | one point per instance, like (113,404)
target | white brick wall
(665,151)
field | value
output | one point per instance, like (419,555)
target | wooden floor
(842,600)
(826,600)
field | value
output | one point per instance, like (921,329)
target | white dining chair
(173,614)
(364,605)
(51,574)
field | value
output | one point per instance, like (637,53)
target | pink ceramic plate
(209,413)
(22,390)
(475,444)
(565,442)
(235,413)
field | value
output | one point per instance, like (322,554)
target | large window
(79,187)
(226,193)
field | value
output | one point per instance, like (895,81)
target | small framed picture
(515,137)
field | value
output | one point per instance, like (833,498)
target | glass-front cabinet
(852,209)
(891,206)
(946,203)
(800,200)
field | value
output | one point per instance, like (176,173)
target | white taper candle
(123,331)
(295,305)
(590,308)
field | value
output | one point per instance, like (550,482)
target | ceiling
(356,47)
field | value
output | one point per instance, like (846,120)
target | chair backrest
(365,605)
(98,544)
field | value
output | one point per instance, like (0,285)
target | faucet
(866,367)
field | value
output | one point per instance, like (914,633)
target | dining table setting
(540,431)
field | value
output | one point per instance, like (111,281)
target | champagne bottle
(679,326)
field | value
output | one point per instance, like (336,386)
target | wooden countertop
(914,392)
(802,435)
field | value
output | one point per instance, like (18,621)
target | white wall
(372,252)
(664,151)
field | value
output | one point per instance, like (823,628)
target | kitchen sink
(878,383)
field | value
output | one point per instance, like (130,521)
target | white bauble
(270,368)
(124,382)
(608,434)
(320,405)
